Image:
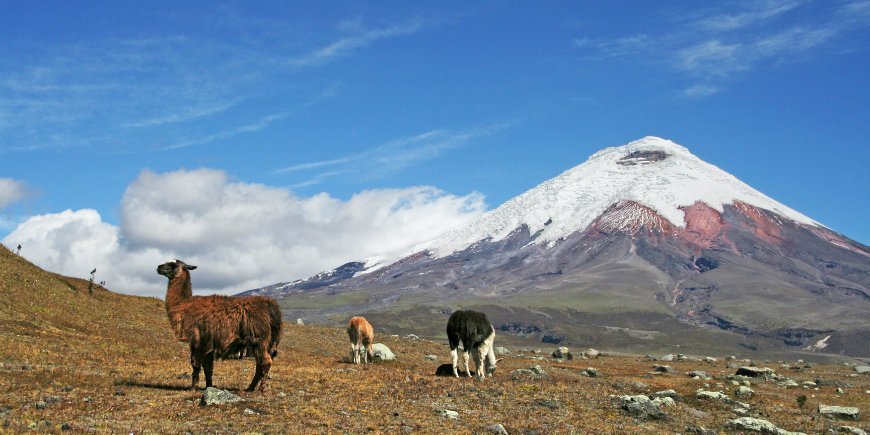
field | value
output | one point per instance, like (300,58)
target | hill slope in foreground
(105,362)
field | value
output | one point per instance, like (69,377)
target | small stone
(502,351)
(497,429)
(547,403)
(851,430)
(664,401)
(789,383)
(536,369)
(300,322)
(863,370)
(215,396)
(639,386)
(666,393)
(699,374)
(667,357)
(591,353)
(249,411)
(381,352)
(754,372)
(431,358)
(744,392)
(446,413)
(589,372)
(41,405)
(758,425)
(710,359)
(839,411)
(839,390)
(641,406)
(662,369)
(65,426)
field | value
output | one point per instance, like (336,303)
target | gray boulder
(641,406)
(862,370)
(431,358)
(668,357)
(216,396)
(755,372)
(590,372)
(851,430)
(591,353)
(502,351)
(666,393)
(839,411)
(759,425)
(662,369)
(497,429)
(699,374)
(446,413)
(744,392)
(382,353)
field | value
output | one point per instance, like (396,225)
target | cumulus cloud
(242,235)
(11,191)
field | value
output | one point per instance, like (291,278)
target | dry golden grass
(108,363)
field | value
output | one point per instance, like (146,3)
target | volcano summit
(641,247)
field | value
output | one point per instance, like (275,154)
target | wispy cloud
(722,43)
(188,114)
(161,85)
(395,155)
(757,12)
(348,44)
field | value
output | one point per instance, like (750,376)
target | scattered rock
(381,352)
(700,430)
(300,322)
(758,425)
(65,426)
(216,396)
(699,374)
(431,358)
(41,405)
(710,359)
(51,399)
(446,413)
(536,369)
(754,372)
(667,357)
(346,370)
(851,430)
(840,390)
(249,411)
(789,383)
(712,395)
(639,386)
(502,351)
(744,392)
(547,403)
(839,411)
(862,370)
(730,358)
(589,372)
(666,393)
(664,401)
(662,369)
(591,353)
(497,429)
(641,406)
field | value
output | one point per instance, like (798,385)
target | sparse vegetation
(69,361)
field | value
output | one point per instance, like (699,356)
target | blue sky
(118,121)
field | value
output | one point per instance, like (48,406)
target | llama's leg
(353,353)
(454,356)
(465,358)
(208,366)
(264,363)
(194,378)
(478,363)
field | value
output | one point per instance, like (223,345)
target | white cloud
(757,12)
(242,235)
(346,45)
(11,191)
(697,91)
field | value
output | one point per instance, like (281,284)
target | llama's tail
(277,326)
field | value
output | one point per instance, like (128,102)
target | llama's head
(170,269)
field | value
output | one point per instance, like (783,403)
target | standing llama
(477,336)
(361,338)
(220,326)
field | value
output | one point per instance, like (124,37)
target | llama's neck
(178,290)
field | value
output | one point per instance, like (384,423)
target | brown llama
(361,338)
(220,326)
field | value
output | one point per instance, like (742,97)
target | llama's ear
(498,360)
(189,266)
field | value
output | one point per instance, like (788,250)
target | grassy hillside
(107,363)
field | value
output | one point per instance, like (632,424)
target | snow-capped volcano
(628,249)
(654,172)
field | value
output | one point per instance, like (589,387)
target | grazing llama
(477,336)
(361,338)
(220,326)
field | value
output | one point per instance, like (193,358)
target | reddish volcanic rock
(704,225)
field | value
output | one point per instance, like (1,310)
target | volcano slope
(108,363)
(643,247)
